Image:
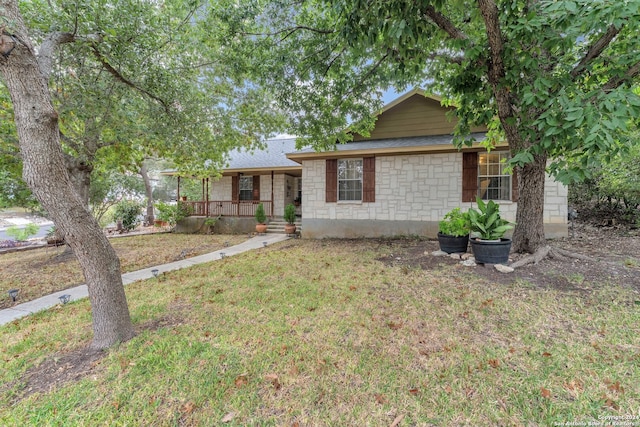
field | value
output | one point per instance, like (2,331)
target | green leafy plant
(128,212)
(261,217)
(290,213)
(486,222)
(172,214)
(455,223)
(22,234)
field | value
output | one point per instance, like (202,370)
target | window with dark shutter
(246,188)
(494,183)
(369,179)
(331,180)
(469,176)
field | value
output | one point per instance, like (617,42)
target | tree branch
(365,77)
(444,23)
(118,76)
(632,72)
(47,49)
(290,31)
(595,50)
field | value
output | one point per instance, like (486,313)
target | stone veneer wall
(221,189)
(413,192)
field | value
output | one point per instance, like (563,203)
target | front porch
(232,208)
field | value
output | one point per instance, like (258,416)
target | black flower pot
(453,244)
(491,252)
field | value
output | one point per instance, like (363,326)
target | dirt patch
(614,259)
(63,368)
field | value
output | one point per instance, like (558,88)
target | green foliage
(22,234)
(260,215)
(455,223)
(290,213)
(128,212)
(540,75)
(486,222)
(110,186)
(172,213)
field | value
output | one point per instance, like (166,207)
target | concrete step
(278,226)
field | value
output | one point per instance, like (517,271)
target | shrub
(171,214)
(455,223)
(128,212)
(22,234)
(290,213)
(261,217)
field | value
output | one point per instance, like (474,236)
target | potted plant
(290,218)
(487,233)
(453,231)
(261,218)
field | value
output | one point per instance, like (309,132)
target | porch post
(178,188)
(272,194)
(206,209)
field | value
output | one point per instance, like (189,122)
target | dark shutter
(469,176)
(514,185)
(235,190)
(369,179)
(331,180)
(256,187)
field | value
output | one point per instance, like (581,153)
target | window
(246,188)
(350,179)
(493,182)
(355,179)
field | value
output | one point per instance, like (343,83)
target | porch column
(206,209)
(272,194)
(178,187)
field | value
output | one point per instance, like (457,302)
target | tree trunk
(528,235)
(149,192)
(45,173)
(80,175)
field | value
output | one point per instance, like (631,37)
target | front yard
(334,333)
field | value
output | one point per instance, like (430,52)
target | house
(262,175)
(400,180)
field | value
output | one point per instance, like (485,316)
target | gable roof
(272,156)
(414,123)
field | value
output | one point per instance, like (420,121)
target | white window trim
(361,179)
(504,156)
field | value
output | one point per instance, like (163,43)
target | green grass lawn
(320,333)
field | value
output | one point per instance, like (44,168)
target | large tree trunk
(528,235)
(149,192)
(45,173)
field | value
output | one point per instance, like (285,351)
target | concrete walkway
(48,301)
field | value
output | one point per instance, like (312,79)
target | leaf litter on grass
(382,343)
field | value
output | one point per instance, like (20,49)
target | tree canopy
(132,80)
(553,78)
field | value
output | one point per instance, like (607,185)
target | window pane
(493,182)
(350,179)
(246,188)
